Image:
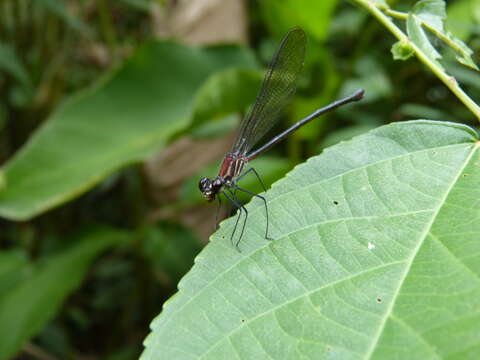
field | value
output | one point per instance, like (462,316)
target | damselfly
(277,89)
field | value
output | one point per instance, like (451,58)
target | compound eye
(204,184)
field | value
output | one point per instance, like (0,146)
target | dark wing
(277,90)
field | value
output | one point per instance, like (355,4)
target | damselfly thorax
(231,168)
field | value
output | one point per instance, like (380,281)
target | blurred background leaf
(170,250)
(226,92)
(313,16)
(90,87)
(76,145)
(463,18)
(59,8)
(11,64)
(34,300)
(13,270)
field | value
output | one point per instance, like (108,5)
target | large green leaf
(26,307)
(122,120)
(376,254)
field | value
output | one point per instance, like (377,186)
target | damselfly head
(210,188)
(206,187)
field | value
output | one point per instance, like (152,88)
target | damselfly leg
(234,200)
(256,174)
(264,202)
(252,170)
(219,207)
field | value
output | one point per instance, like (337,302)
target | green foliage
(373,249)
(371,77)
(463,17)
(381,4)
(10,64)
(143,5)
(143,103)
(58,8)
(12,270)
(419,38)
(226,92)
(431,13)
(32,301)
(313,16)
(170,249)
(402,50)
(418,111)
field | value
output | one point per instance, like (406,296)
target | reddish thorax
(232,166)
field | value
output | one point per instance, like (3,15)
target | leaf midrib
(421,240)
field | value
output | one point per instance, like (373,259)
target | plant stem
(448,80)
(403,16)
(396,14)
